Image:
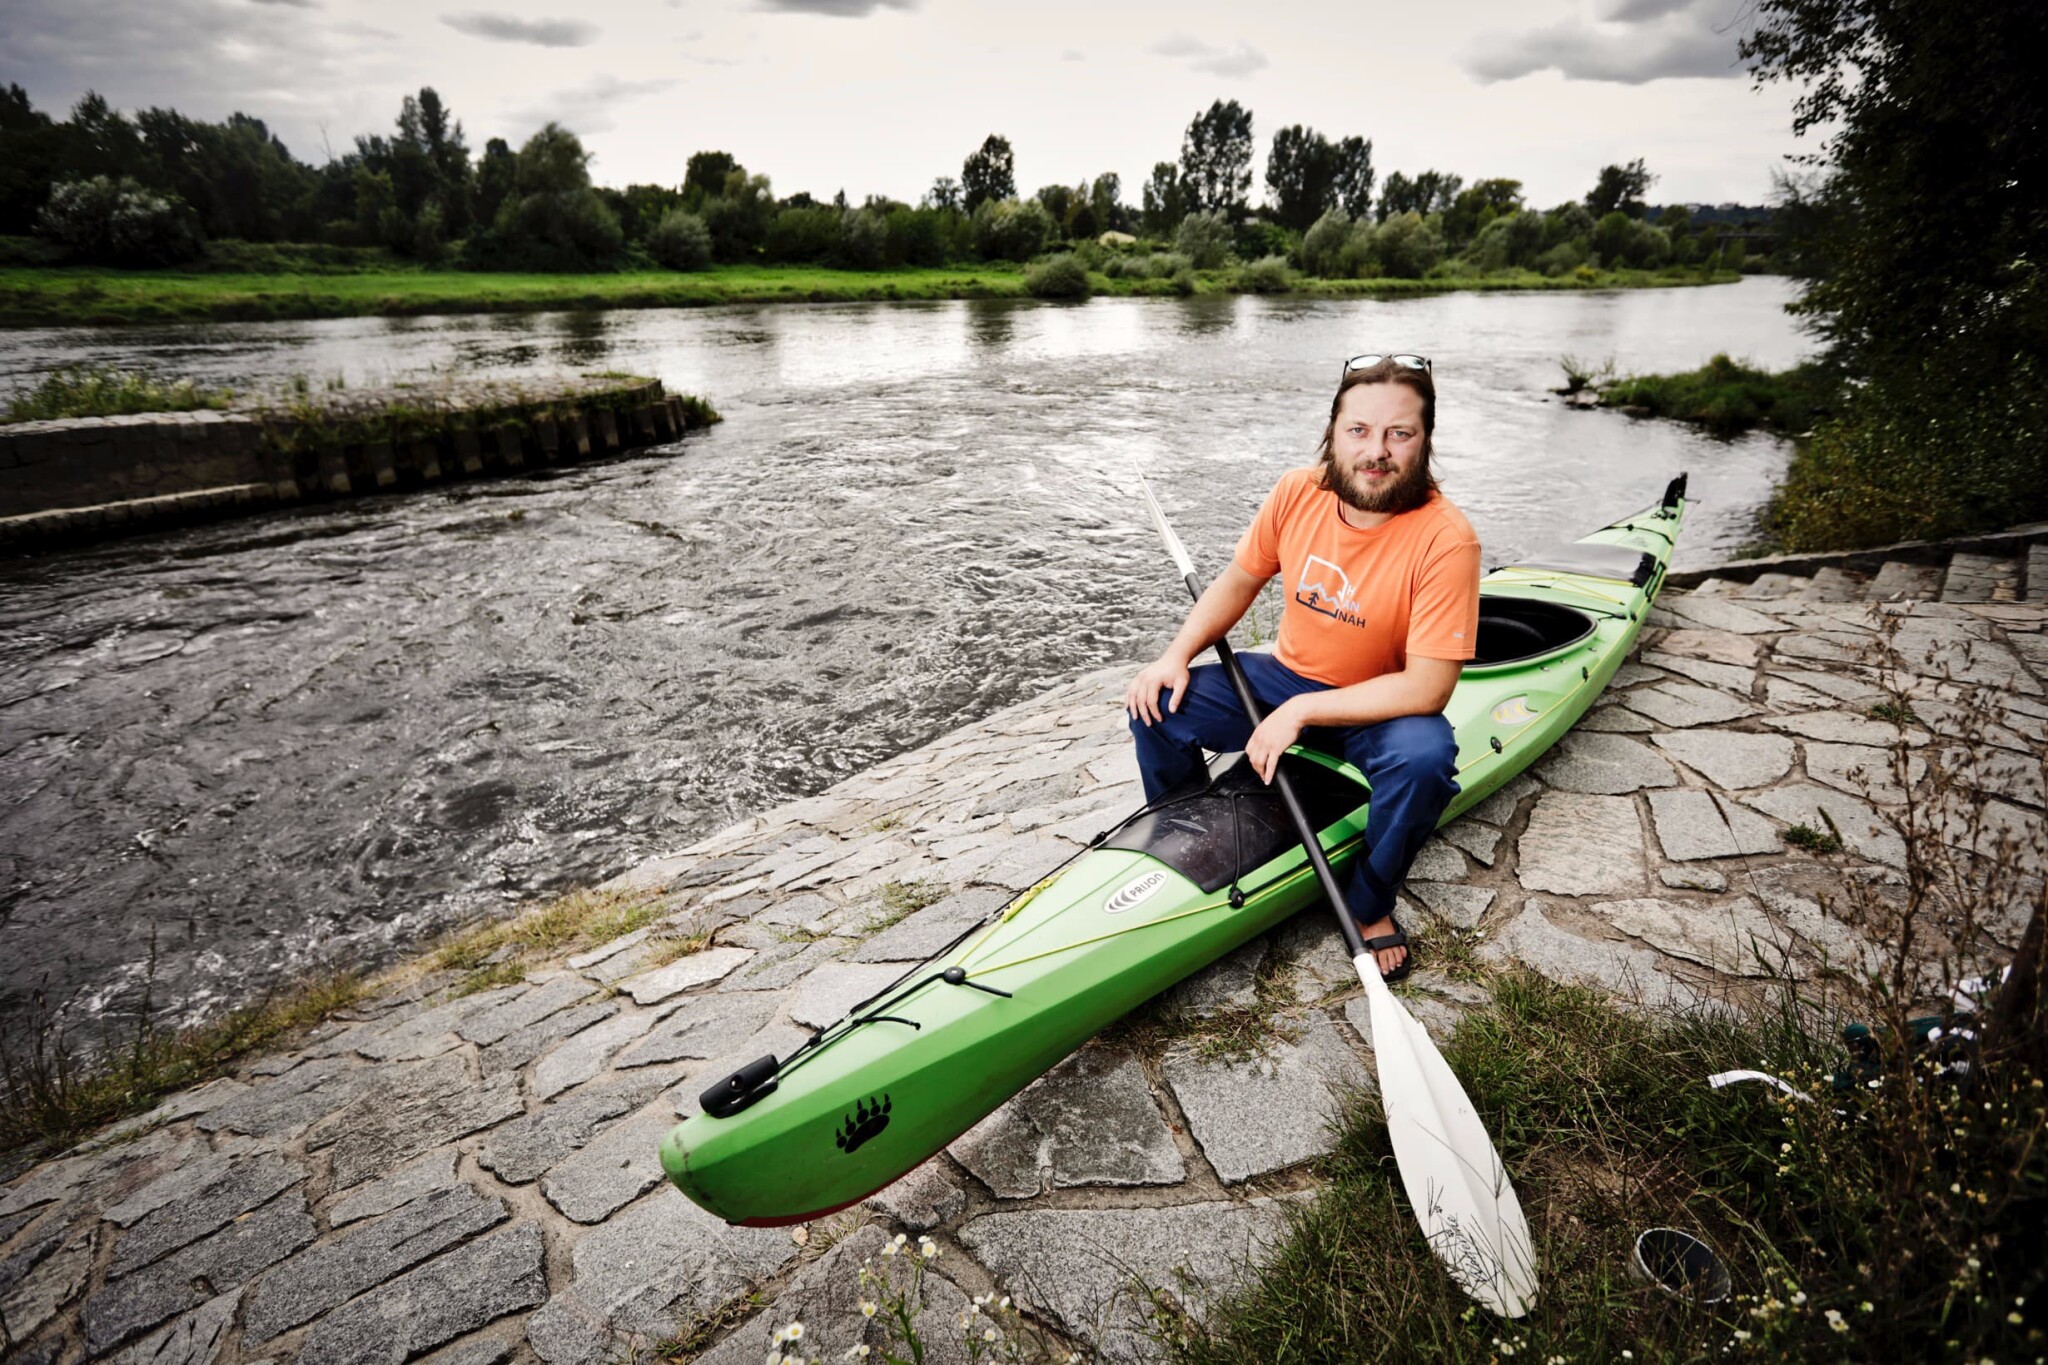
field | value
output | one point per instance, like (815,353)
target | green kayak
(867,1100)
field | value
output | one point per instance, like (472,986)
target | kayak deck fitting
(867,1100)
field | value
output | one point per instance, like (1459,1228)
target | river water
(320,736)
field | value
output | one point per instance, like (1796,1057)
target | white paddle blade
(1173,545)
(1454,1179)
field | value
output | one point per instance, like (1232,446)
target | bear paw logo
(866,1120)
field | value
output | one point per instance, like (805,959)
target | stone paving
(474,1179)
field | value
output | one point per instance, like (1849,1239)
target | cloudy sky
(882,96)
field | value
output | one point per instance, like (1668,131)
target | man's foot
(1393,957)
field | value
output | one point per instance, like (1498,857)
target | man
(1381,608)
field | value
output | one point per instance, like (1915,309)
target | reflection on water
(322,735)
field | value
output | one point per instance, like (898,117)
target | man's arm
(1421,689)
(1218,609)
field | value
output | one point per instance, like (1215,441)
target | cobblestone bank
(91,477)
(474,1179)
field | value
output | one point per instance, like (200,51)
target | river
(321,736)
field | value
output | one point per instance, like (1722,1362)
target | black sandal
(1397,939)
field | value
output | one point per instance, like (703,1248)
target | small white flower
(990,1335)
(965,1319)
(1003,1302)
(1866,1307)
(868,1308)
(858,1351)
(1798,1298)
(1834,1317)
(1739,1334)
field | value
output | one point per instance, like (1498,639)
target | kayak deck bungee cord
(1174,887)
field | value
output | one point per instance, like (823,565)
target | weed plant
(1728,397)
(1896,1210)
(107,391)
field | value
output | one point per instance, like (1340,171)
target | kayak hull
(974,1026)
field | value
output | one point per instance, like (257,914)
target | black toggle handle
(754,1081)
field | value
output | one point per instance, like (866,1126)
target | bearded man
(1381,609)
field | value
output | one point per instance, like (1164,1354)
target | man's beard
(1404,494)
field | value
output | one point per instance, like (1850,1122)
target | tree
(989,174)
(1353,180)
(1620,187)
(1478,206)
(1204,238)
(1301,176)
(945,193)
(706,173)
(495,176)
(1920,247)
(1426,193)
(1105,198)
(1216,160)
(552,162)
(1165,200)
(1058,201)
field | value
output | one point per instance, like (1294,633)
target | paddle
(1455,1181)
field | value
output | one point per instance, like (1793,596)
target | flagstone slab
(1829,647)
(1735,679)
(1713,646)
(583,1054)
(1460,906)
(1582,845)
(1718,613)
(217,1194)
(1817,903)
(420,1107)
(198,1338)
(656,1267)
(618,1166)
(286,1105)
(1476,839)
(1730,759)
(1843,727)
(1615,719)
(1230,982)
(1267,1112)
(31,1297)
(922,933)
(416,1178)
(330,1274)
(1091,1120)
(1695,824)
(1077,1265)
(697,969)
(1684,877)
(1603,765)
(519,1152)
(1682,705)
(828,993)
(1633,975)
(923,1199)
(524,1010)
(1500,807)
(1862,770)
(446,1298)
(133,1304)
(1862,829)
(1733,937)
(705,1026)
(515,1050)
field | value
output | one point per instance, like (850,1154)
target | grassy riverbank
(47,296)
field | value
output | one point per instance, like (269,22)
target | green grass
(1726,396)
(103,391)
(366,285)
(1813,840)
(1915,1218)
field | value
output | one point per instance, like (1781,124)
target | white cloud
(590,107)
(1241,60)
(506,28)
(1633,42)
(838,9)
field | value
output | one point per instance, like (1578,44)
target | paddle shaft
(1310,844)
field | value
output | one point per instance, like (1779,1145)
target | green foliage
(706,173)
(106,391)
(1427,193)
(1620,189)
(1268,275)
(1216,160)
(1005,230)
(1727,397)
(1205,239)
(1919,239)
(1476,208)
(680,241)
(1057,277)
(1407,246)
(119,222)
(1323,245)
(803,234)
(863,239)
(988,176)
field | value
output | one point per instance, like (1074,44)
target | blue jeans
(1410,762)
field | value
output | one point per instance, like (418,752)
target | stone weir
(473,1178)
(88,478)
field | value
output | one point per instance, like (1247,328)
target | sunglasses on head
(1366,362)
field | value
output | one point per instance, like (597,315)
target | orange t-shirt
(1358,603)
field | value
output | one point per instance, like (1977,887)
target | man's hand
(1275,735)
(1141,698)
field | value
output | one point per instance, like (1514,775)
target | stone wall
(91,477)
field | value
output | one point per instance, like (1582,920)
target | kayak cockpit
(1520,630)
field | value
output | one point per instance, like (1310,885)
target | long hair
(1385,372)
